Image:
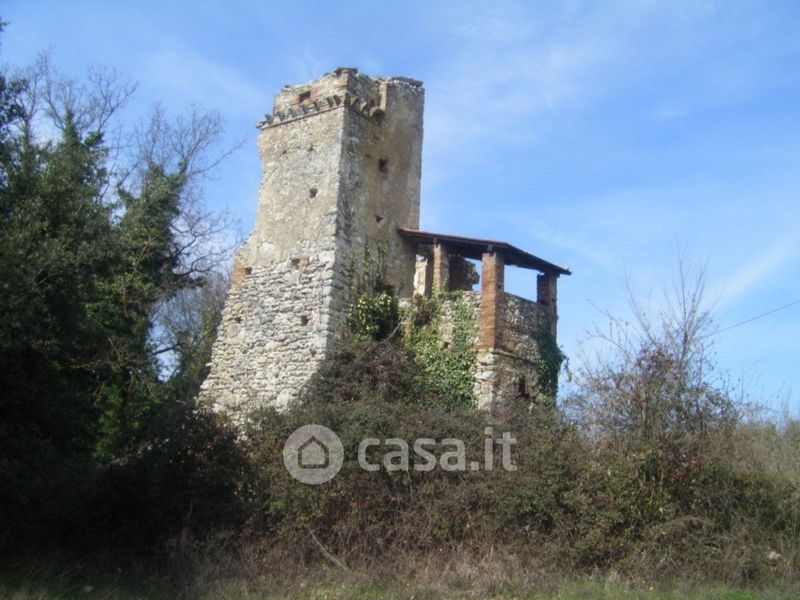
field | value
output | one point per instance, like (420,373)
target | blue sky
(601,136)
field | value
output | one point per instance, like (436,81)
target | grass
(57,577)
(580,590)
(50,580)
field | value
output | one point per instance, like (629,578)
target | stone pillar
(423,277)
(546,295)
(441,268)
(492,284)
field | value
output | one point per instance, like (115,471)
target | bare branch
(653,378)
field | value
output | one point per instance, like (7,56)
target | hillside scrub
(675,508)
(653,472)
(714,504)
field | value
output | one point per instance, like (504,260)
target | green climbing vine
(446,362)
(373,313)
(548,364)
(438,332)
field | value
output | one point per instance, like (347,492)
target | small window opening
(304,320)
(312,193)
(304,96)
(383,165)
(248,270)
(300,263)
(522,387)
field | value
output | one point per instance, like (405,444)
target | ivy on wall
(446,366)
(438,332)
(548,365)
(373,313)
(449,366)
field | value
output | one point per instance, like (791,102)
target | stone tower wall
(341,161)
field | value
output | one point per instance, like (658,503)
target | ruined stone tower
(341,159)
(341,173)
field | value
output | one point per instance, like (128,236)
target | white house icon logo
(313,454)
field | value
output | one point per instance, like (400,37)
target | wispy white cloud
(307,64)
(510,68)
(492,28)
(190,76)
(756,271)
(575,243)
(509,71)
(501,92)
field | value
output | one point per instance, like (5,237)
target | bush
(653,381)
(678,506)
(368,371)
(364,516)
(185,477)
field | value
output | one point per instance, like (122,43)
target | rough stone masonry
(341,161)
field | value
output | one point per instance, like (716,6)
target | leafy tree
(102,233)
(54,246)
(147,256)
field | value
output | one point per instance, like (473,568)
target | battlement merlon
(346,88)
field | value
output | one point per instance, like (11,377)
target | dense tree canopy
(104,251)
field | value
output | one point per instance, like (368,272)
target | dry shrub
(676,506)
(365,516)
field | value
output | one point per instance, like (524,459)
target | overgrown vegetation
(548,364)
(681,508)
(441,350)
(113,479)
(446,360)
(108,263)
(373,312)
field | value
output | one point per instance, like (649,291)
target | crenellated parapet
(369,108)
(343,88)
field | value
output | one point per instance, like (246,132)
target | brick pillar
(546,295)
(441,268)
(492,283)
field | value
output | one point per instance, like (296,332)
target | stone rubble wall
(511,370)
(341,161)
(522,322)
(267,345)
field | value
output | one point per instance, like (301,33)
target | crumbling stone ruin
(341,160)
